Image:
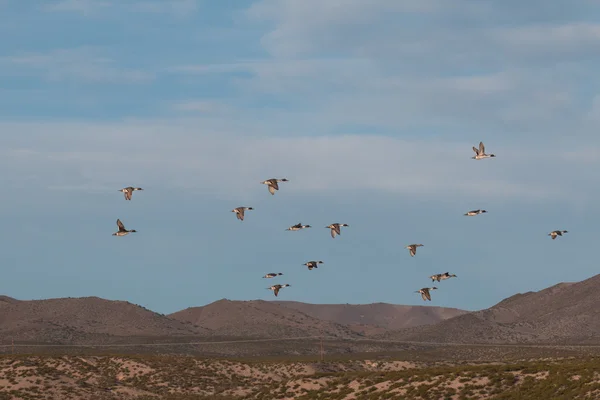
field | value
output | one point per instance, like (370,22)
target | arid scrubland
(91,377)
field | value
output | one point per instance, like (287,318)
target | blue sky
(370,110)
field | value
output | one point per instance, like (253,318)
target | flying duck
(480,153)
(441,277)
(554,234)
(275,288)
(412,248)
(472,213)
(425,293)
(128,191)
(239,212)
(272,275)
(122,231)
(335,229)
(312,264)
(297,227)
(273,185)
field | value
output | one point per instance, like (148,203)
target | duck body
(122,231)
(297,227)
(128,191)
(335,229)
(442,277)
(480,152)
(273,184)
(272,275)
(425,293)
(277,288)
(312,264)
(412,248)
(240,211)
(554,234)
(473,213)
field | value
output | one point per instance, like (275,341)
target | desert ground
(419,372)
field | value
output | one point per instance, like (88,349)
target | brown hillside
(380,315)
(80,320)
(258,318)
(564,313)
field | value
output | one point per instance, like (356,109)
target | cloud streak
(81,64)
(178,8)
(227,164)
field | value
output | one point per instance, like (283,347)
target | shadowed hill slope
(564,313)
(85,319)
(377,315)
(258,318)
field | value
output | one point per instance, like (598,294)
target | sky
(369,107)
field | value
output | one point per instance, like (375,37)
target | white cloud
(202,106)
(177,154)
(333,92)
(449,34)
(75,64)
(178,8)
(85,7)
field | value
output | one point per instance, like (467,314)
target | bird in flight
(554,234)
(276,288)
(412,248)
(473,213)
(425,293)
(272,274)
(122,231)
(335,229)
(312,264)
(297,227)
(239,212)
(273,185)
(128,191)
(441,277)
(480,153)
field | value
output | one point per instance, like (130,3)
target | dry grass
(185,377)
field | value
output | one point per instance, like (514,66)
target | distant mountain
(84,320)
(376,317)
(258,318)
(564,313)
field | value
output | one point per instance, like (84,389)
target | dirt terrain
(92,320)
(86,377)
(564,313)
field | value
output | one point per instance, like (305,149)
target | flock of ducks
(412,248)
(335,230)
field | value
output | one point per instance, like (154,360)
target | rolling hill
(258,318)
(375,317)
(566,313)
(84,320)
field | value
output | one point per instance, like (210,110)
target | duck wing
(273,183)
(240,214)
(481,148)
(276,291)
(121,226)
(426,294)
(475,150)
(271,189)
(412,250)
